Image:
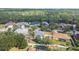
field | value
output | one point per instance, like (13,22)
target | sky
(39,4)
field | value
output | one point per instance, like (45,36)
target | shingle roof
(61,35)
(48,33)
(22,23)
(9,23)
(39,33)
(46,23)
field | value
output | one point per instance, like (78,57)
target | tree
(11,39)
(42,40)
(53,26)
(31,30)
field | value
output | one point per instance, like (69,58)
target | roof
(64,24)
(45,23)
(35,23)
(9,23)
(76,36)
(22,23)
(48,33)
(22,31)
(61,35)
(39,33)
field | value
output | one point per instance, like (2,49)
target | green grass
(2,26)
(57,42)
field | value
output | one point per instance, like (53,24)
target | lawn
(2,26)
(57,42)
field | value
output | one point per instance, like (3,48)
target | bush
(75,48)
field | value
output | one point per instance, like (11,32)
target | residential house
(61,36)
(53,35)
(23,31)
(10,25)
(39,33)
(35,24)
(22,24)
(64,24)
(76,35)
(22,28)
(43,34)
(45,23)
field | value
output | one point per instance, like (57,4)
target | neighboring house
(22,28)
(23,31)
(39,33)
(76,35)
(53,35)
(35,23)
(64,24)
(22,24)
(57,36)
(61,36)
(45,23)
(9,25)
(43,34)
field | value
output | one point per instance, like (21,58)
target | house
(23,31)
(53,35)
(61,36)
(10,25)
(22,24)
(45,23)
(35,23)
(64,24)
(76,34)
(57,36)
(22,28)
(39,33)
(43,34)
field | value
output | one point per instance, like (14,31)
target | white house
(22,24)
(22,28)
(23,31)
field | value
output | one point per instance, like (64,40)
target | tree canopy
(54,15)
(10,39)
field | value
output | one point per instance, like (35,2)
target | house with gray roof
(39,33)
(22,24)
(35,23)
